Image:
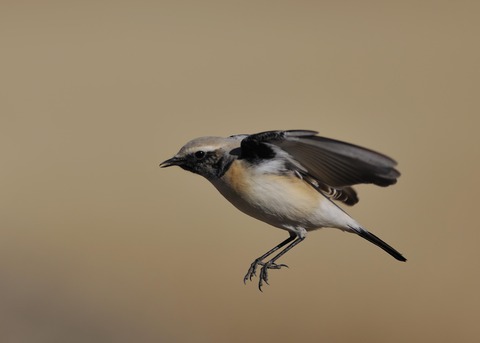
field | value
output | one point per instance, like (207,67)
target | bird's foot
(252,271)
(263,277)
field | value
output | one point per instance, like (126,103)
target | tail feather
(379,243)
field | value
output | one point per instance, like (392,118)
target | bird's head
(206,156)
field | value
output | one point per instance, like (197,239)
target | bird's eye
(200,154)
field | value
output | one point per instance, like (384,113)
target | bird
(290,179)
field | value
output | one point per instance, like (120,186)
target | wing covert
(328,164)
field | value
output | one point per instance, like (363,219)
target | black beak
(174,161)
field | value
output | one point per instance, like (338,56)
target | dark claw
(252,271)
(277,266)
(263,277)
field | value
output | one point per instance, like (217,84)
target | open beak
(174,161)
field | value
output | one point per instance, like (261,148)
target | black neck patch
(255,150)
(223,164)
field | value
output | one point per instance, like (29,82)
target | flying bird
(290,180)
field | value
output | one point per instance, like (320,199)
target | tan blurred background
(97,244)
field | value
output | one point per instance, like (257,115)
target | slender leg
(252,271)
(271,263)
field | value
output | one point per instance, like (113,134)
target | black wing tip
(388,178)
(350,196)
(381,244)
(350,201)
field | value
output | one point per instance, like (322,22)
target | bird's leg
(252,271)
(263,277)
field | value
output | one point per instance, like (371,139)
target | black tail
(379,243)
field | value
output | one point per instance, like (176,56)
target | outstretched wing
(331,164)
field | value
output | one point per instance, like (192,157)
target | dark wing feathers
(339,163)
(332,164)
(347,195)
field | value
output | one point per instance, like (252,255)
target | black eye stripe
(199,154)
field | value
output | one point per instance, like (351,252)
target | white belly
(284,201)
